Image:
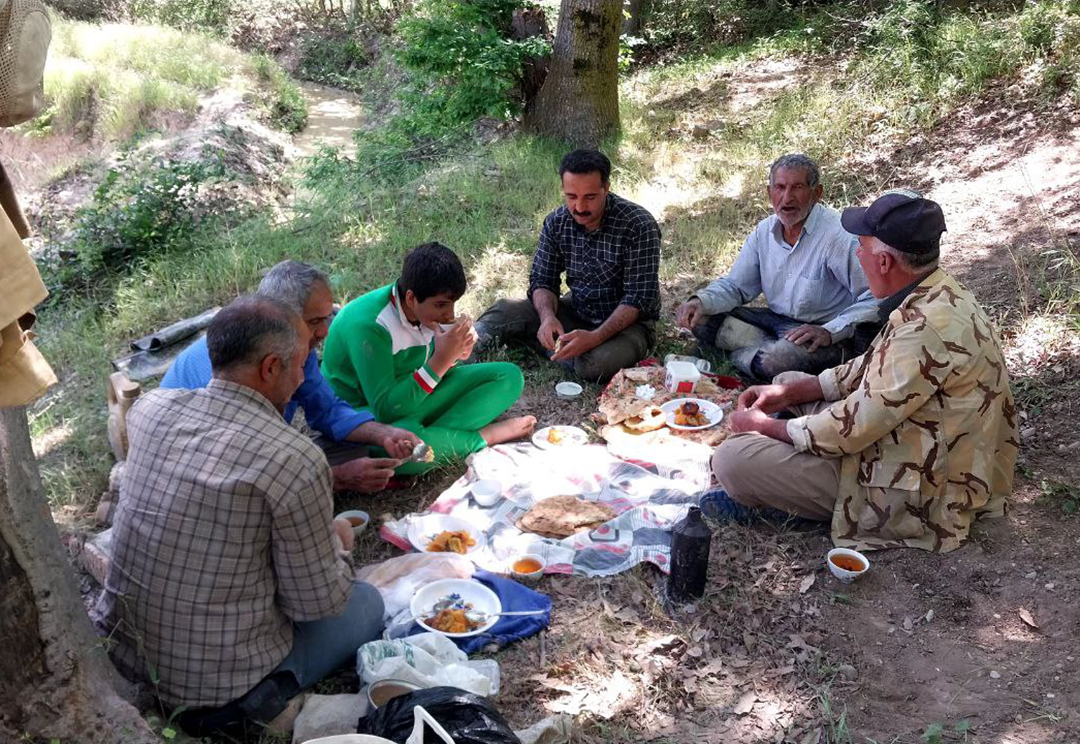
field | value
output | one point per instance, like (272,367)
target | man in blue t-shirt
(343,428)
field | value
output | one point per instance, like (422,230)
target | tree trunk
(56,681)
(636,13)
(526,24)
(579,101)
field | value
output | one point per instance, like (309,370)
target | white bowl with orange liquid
(846,564)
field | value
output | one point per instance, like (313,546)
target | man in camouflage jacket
(905,445)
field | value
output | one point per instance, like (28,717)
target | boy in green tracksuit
(395,350)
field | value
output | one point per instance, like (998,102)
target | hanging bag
(25,32)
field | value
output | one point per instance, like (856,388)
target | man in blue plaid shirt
(609,249)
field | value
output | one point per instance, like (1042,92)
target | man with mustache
(820,311)
(609,249)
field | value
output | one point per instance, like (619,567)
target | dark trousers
(517,320)
(754,340)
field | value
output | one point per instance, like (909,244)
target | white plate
(473,592)
(423,530)
(710,409)
(571,435)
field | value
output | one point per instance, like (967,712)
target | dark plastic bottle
(690,540)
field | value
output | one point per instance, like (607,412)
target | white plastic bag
(426,660)
(397,579)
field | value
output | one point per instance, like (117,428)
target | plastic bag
(426,660)
(397,579)
(468,718)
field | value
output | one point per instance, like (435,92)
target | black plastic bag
(468,718)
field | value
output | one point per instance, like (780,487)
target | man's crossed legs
(754,340)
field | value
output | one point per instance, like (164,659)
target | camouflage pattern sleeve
(890,388)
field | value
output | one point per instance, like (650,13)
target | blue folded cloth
(514,598)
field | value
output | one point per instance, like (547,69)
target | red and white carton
(682,377)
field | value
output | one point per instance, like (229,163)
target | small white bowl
(843,574)
(527,577)
(486,492)
(567,390)
(358,519)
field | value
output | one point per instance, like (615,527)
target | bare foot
(508,430)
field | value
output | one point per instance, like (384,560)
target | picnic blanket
(647,501)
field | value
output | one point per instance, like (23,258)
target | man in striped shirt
(820,311)
(395,351)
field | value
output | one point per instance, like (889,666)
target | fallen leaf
(807,582)
(738,663)
(812,737)
(1027,618)
(695,651)
(745,704)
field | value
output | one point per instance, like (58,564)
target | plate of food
(441,533)
(691,414)
(456,608)
(559,436)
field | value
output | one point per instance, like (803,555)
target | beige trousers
(759,471)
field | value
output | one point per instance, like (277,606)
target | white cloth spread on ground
(648,501)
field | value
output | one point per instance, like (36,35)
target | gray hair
(914,263)
(795,160)
(291,282)
(248,330)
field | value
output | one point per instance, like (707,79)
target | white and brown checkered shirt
(222,538)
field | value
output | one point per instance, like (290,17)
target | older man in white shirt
(820,311)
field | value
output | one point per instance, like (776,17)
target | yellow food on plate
(457,541)
(690,414)
(451,621)
(555,436)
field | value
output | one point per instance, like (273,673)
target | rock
(1027,432)
(700,132)
(848,672)
(714,125)
(328,715)
(1030,575)
(994,674)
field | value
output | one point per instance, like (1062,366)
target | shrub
(200,15)
(142,209)
(462,62)
(332,56)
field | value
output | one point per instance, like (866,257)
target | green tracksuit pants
(468,398)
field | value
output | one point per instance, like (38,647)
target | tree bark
(637,11)
(579,101)
(56,681)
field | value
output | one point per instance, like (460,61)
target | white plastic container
(682,377)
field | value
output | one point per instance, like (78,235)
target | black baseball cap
(900,219)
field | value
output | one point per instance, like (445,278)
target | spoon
(419,453)
(479,616)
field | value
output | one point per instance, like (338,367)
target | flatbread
(650,419)
(562,516)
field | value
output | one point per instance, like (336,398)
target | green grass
(110,81)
